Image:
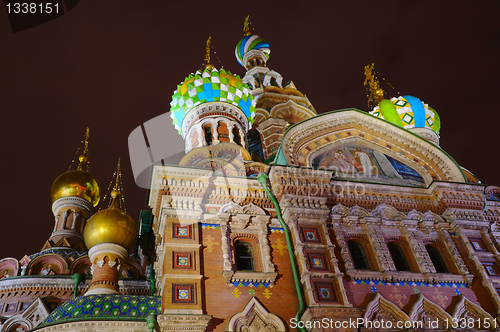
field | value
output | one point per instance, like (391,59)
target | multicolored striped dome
(248,43)
(207,86)
(408,112)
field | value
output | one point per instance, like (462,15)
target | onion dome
(77,182)
(250,42)
(112,225)
(210,85)
(408,112)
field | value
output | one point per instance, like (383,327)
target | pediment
(382,309)
(349,139)
(431,315)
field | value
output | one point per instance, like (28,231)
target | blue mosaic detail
(61,252)
(247,284)
(410,283)
(210,226)
(276,229)
(105,306)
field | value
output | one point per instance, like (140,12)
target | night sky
(112,65)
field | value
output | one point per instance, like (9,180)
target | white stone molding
(73,202)
(466,309)
(255,317)
(429,314)
(381,309)
(31,317)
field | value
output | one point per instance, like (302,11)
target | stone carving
(466,309)
(381,309)
(431,315)
(255,318)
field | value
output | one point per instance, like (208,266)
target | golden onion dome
(110,226)
(77,183)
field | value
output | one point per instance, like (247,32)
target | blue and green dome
(408,112)
(207,86)
(105,307)
(248,43)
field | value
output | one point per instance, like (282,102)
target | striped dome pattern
(408,112)
(207,86)
(248,43)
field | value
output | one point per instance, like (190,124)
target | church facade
(276,219)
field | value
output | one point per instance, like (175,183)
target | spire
(208,64)
(84,156)
(116,193)
(117,200)
(376,94)
(246,26)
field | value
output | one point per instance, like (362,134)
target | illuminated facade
(276,213)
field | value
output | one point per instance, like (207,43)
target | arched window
(208,134)
(244,256)
(236,136)
(398,256)
(358,255)
(437,259)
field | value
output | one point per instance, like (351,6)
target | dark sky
(112,65)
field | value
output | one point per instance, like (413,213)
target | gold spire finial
(208,64)
(84,156)
(376,94)
(246,26)
(116,193)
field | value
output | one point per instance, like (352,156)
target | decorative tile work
(409,283)
(324,291)
(183,293)
(310,235)
(210,226)
(209,242)
(478,244)
(317,262)
(236,292)
(276,229)
(60,252)
(491,268)
(182,232)
(183,260)
(267,293)
(250,284)
(279,247)
(105,306)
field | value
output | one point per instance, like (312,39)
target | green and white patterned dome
(408,112)
(210,85)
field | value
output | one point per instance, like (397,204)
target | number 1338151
(32,8)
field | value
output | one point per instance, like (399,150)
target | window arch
(358,255)
(398,256)
(437,259)
(244,256)
(208,134)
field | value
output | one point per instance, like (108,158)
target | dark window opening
(244,256)
(398,256)
(236,136)
(255,144)
(437,259)
(358,256)
(208,135)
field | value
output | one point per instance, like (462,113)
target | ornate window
(398,256)
(358,255)
(245,245)
(437,259)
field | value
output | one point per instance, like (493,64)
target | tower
(278,105)
(109,235)
(74,194)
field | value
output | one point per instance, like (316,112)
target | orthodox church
(277,218)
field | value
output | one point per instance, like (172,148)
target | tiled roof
(105,307)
